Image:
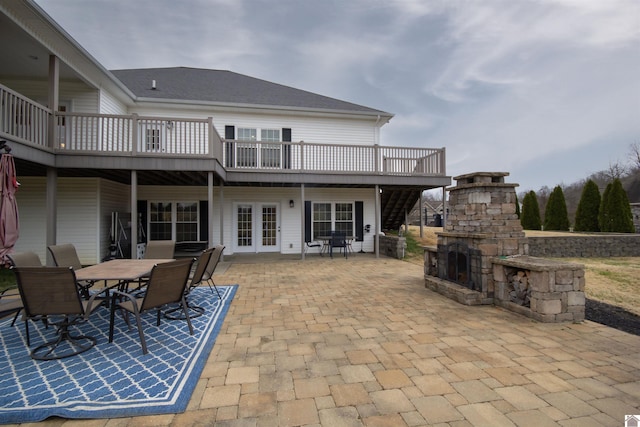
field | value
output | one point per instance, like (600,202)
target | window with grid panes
(321,219)
(152,137)
(160,221)
(270,153)
(187,222)
(247,155)
(344,218)
(245,225)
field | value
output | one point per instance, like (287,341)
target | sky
(546,90)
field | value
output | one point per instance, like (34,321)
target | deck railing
(301,156)
(135,134)
(24,120)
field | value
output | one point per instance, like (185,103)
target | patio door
(256,227)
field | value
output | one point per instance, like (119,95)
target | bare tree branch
(634,155)
(616,170)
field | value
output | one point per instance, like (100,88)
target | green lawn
(7,279)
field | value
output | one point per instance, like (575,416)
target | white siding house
(201,156)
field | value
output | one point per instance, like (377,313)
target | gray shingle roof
(226,87)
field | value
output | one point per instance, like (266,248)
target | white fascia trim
(376,115)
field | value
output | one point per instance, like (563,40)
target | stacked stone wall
(556,288)
(591,246)
(635,212)
(393,246)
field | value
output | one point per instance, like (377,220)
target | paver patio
(361,342)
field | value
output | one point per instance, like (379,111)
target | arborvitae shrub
(620,217)
(555,214)
(603,214)
(588,208)
(530,216)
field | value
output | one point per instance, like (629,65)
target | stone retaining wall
(393,246)
(587,246)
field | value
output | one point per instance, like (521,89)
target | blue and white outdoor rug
(111,379)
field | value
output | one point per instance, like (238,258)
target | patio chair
(338,240)
(216,255)
(25,259)
(194,281)
(50,293)
(65,255)
(10,303)
(160,249)
(312,244)
(166,286)
(157,249)
(12,296)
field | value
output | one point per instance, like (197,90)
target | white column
(302,220)
(210,208)
(51,210)
(376,236)
(134,214)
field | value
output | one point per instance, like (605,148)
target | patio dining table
(122,271)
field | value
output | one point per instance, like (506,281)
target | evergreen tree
(530,217)
(517,207)
(620,217)
(603,215)
(588,208)
(555,214)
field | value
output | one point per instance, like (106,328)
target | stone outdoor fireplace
(482,256)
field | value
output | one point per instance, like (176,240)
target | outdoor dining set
(66,295)
(336,240)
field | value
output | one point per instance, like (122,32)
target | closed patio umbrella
(9,227)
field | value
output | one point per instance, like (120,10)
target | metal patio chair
(166,286)
(25,259)
(65,255)
(157,249)
(160,249)
(51,294)
(338,240)
(10,303)
(216,255)
(196,279)
(10,299)
(312,244)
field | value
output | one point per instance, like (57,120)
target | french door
(256,227)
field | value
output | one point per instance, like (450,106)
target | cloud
(524,86)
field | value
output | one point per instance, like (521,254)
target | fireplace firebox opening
(460,264)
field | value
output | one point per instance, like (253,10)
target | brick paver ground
(361,342)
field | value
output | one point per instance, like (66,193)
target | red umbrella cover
(9,224)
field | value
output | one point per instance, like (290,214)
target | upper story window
(257,148)
(247,134)
(152,139)
(247,154)
(252,155)
(270,135)
(151,135)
